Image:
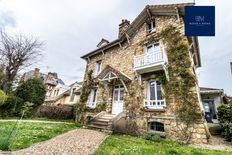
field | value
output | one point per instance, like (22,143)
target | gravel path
(215,143)
(76,142)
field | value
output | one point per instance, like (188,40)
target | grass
(30,133)
(128,145)
(39,118)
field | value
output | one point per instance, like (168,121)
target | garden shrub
(153,138)
(225,119)
(11,107)
(55,112)
(3,97)
(33,90)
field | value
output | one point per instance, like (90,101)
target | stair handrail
(118,116)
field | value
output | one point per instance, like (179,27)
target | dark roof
(167,9)
(101,43)
(210,90)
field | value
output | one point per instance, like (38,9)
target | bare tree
(16,53)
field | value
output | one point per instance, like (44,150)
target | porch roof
(109,69)
(205,90)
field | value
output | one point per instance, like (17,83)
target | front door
(117,105)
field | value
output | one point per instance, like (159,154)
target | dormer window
(151,27)
(97,68)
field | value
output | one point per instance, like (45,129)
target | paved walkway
(76,142)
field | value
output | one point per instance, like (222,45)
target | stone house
(133,61)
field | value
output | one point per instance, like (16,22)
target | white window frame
(153,47)
(153,27)
(72,94)
(91,103)
(157,103)
(97,68)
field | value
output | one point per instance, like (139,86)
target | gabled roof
(102,42)
(110,70)
(148,11)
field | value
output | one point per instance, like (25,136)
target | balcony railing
(155,104)
(148,59)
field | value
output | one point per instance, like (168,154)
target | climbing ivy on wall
(80,107)
(182,80)
(132,101)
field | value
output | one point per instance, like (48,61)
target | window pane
(94,95)
(157,126)
(159,93)
(149,49)
(115,95)
(152,90)
(121,94)
(156,47)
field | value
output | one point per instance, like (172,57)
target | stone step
(100,123)
(102,120)
(97,127)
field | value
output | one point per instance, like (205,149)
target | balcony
(155,104)
(150,62)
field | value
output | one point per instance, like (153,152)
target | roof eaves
(107,46)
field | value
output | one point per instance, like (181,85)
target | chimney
(123,27)
(36,72)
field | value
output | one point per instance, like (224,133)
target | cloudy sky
(72,28)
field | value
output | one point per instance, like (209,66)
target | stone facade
(121,58)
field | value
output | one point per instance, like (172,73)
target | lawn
(128,145)
(30,133)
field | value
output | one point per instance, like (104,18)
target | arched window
(156,126)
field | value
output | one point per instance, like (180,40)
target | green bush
(33,90)
(225,119)
(11,107)
(3,97)
(153,138)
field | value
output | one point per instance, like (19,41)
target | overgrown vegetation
(181,86)
(80,107)
(30,133)
(132,101)
(3,97)
(128,145)
(225,119)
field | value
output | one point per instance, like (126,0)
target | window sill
(154,110)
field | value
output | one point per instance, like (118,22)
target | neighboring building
(64,95)
(32,74)
(211,98)
(50,80)
(136,56)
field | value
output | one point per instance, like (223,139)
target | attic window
(151,27)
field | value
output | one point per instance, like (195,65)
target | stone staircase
(102,123)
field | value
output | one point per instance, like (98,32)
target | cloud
(7,19)
(73,28)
